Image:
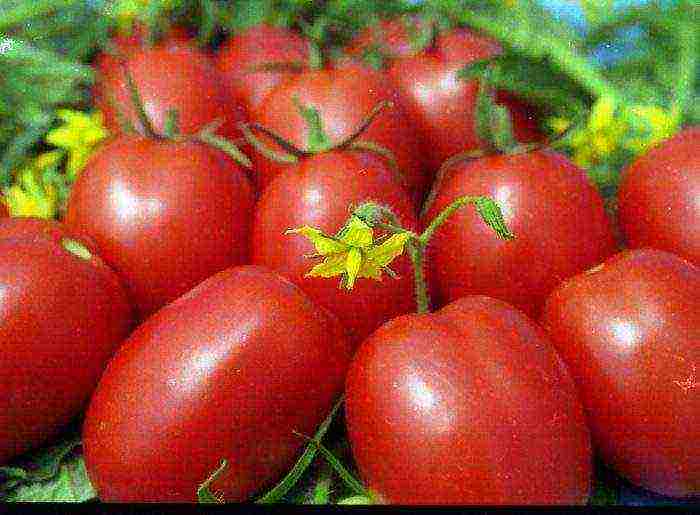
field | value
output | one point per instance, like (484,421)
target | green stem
(687,35)
(416,250)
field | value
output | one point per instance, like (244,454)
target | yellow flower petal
(324,244)
(357,233)
(330,267)
(385,253)
(602,114)
(353,263)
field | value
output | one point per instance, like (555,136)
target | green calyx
(317,140)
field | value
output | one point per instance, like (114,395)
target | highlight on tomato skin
(558,218)
(229,371)
(629,331)
(164,214)
(443,409)
(63,313)
(658,197)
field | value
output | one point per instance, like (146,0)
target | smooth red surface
(61,318)
(31,228)
(441,106)
(659,197)
(470,405)
(320,192)
(172,75)
(258,45)
(228,371)
(630,333)
(344,98)
(557,217)
(164,215)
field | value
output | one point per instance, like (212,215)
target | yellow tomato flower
(651,125)
(29,195)
(79,134)
(352,253)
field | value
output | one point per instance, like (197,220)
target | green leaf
(293,476)
(204,493)
(491,214)
(317,139)
(54,474)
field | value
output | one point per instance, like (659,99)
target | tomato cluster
(211,342)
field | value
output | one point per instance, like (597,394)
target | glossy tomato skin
(61,318)
(557,217)
(344,98)
(658,197)
(629,331)
(172,75)
(164,215)
(391,37)
(259,45)
(319,192)
(228,371)
(442,408)
(441,106)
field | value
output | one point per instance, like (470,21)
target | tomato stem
(137,102)
(416,251)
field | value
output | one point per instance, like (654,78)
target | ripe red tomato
(441,106)
(391,37)
(319,192)
(259,45)
(557,217)
(172,75)
(62,315)
(629,332)
(658,197)
(164,215)
(228,371)
(442,408)
(343,98)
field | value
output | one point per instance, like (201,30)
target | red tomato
(391,37)
(4,211)
(62,315)
(658,197)
(259,45)
(629,331)
(442,408)
(319,192)
(344,98)
(557,217)
(172,75)
(228,371)
(441,106)
(164,215)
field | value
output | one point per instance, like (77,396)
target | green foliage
(53,474)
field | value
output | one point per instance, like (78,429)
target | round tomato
(440,105)
(343,98)
(557,216)
(174,75)
(392,38)
(257,46)
(320,192)
(63,313)
(442,408)
(629,332)
(228,371)
(658,197)
(30,228)
(165,215)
